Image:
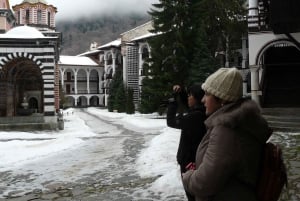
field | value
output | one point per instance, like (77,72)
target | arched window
(39,16)
(27,16)
(145,53)
(49,19)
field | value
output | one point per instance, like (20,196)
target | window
(27,15)
(49,20)
(39,17)
(145,53)
(19,17)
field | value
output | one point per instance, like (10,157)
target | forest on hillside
(78,35)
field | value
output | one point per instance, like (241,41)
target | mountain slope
(78,35)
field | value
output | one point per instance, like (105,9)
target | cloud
(70,9)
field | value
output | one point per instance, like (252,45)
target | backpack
(273,174)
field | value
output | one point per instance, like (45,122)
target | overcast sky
(71,9)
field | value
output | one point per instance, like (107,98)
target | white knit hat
(225,83)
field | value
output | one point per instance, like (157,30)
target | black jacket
(192,131)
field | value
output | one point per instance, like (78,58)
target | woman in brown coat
(228,157)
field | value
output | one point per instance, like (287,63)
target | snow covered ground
(18,149)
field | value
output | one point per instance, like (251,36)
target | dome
(35,1)
(23,32)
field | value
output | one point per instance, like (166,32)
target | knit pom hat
(225,83)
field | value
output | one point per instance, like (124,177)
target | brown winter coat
(228,157)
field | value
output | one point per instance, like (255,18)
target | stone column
(75,80)
(100,82)
(244,64)
(62,75)
(75,102)
(124,57)
(253,13)
(105,80)
(114,57)
(255,92)
(88,81)
(125,70)
(88,101)
(140,60)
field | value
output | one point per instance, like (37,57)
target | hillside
(78,35)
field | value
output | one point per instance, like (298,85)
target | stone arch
(279,67)
(94,81)
(270,44)
(119,59)
(94,101)
(82,101)
(82,81)
(20,55)
(145,51)
(69,77)
(21,79)
(70,102)
(108,57)
(33,104)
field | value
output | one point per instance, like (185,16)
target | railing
(260,21)
(80,92)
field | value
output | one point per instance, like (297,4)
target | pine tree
(171,53)
(224,24)
(129,102)
(203,63)
(189,33)
(120,98)
(113,88)
(153,95)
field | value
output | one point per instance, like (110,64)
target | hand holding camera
(176,89)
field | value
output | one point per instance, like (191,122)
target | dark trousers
(189,196)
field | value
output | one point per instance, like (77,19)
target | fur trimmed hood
(244,115)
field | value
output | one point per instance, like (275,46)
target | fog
(70,9)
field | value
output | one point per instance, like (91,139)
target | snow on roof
(89,52)
(77,61)
(115,43)
(23,32)
(148,35)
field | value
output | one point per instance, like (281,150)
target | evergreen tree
(224,23)
(113,88)
(171,53)
(203,63)
(153,95)
(129,102)
(189,33)
(173,47)
(120,98)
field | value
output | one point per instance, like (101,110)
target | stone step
(281,111)
(292,119)
(283,119)
(22,119)
(28,126)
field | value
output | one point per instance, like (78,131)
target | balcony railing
(260,21)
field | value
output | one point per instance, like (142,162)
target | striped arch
(49,77)
(17,55)
(270,44)
(277,75)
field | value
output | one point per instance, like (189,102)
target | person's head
(222,87)
(195,95)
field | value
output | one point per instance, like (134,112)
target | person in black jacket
(191,123)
